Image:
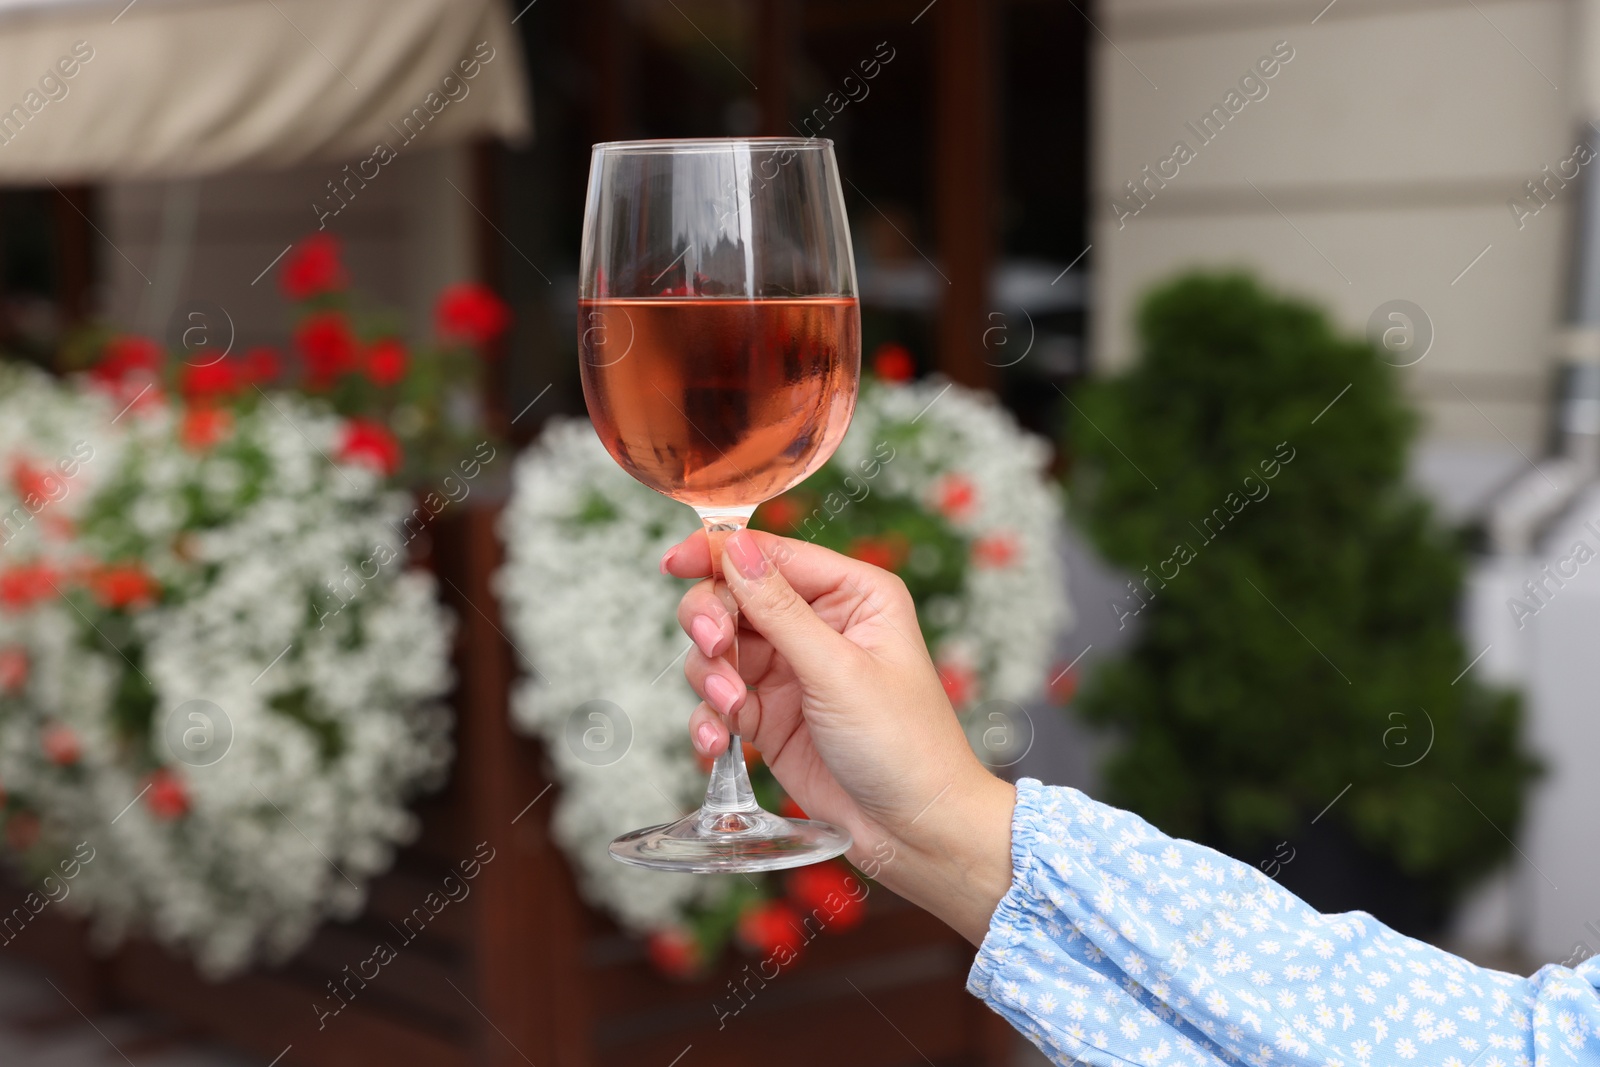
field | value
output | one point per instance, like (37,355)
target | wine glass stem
(729,789)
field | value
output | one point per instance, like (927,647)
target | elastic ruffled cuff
(1015,913)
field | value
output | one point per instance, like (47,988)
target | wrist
(958,853)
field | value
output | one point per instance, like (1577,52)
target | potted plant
(1298,692)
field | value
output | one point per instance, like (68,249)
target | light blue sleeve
(1119,945)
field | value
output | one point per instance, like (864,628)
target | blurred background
(1019,175)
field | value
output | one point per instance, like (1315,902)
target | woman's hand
(835,687)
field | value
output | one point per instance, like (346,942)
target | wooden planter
(521,971)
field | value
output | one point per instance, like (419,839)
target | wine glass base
(704,842)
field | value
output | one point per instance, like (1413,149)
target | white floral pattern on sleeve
(1119,945)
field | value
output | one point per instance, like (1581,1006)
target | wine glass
(719,339)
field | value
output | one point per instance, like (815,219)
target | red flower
(887,552)
(212,380)
(892,362)
(313,268)
(24,586)
(387,362)
(781,513)
(260,365)
(61,745)
(832,890)
(328,345)
(995,550)
(28,480)
(955,496)
(1063,684)
(676,952)
(770,926)
(127,356)
(471,313)
(22,831)
(370,443)
(123,585)
(13,669)
(960,682)
(168,798)
(203,426)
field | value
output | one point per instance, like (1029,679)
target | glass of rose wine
(719,340)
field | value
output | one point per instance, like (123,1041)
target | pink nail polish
(706,736)
(706,634)
(747,555)
(721,693)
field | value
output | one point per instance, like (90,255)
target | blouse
(1119,945)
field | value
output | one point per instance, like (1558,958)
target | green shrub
(1307,638)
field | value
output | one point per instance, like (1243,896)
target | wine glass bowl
(719,344)
(720,402)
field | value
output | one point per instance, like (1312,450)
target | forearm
(1115,940)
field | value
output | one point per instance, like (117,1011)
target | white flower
(585,601)
(333,725)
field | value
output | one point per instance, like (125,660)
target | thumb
(813,648)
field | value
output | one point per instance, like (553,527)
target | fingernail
(706,736)
(706,634)
(667,558)
(721,693)
(747,555)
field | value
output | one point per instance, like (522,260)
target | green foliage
(1306,639)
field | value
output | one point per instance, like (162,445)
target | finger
(811,569)
(754,662)
(707,732)
(816,652)
(712,742)
(689,558)
(713,637)
(755,658)
(716,681)
(706,619)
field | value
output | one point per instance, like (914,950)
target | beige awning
(99,89)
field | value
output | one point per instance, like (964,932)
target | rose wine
(720,402)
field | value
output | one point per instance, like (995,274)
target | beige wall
(406,235)
(1390,144)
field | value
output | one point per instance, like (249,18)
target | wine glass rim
(710,144)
